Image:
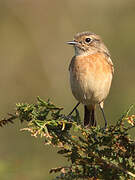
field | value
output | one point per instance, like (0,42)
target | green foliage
(92,153)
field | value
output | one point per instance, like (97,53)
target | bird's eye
(87,40)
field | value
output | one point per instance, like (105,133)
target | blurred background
(34,60)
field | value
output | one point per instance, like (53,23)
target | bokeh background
(34,60)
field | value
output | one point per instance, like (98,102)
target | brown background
(34,61)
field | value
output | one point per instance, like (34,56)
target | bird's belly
(90,87)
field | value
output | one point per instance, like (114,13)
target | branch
(93,153)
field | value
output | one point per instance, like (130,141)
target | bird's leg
(101,108)
(74,109)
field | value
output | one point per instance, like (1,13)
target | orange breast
(97,64)
(90,77)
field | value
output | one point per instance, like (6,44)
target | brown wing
(71,63)
(111,63)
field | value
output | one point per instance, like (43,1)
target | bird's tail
(89,116)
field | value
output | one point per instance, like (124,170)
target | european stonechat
(91,71)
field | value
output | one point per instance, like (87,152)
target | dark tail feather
(89,116)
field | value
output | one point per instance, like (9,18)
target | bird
(91,71)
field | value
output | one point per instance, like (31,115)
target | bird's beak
(72,42)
